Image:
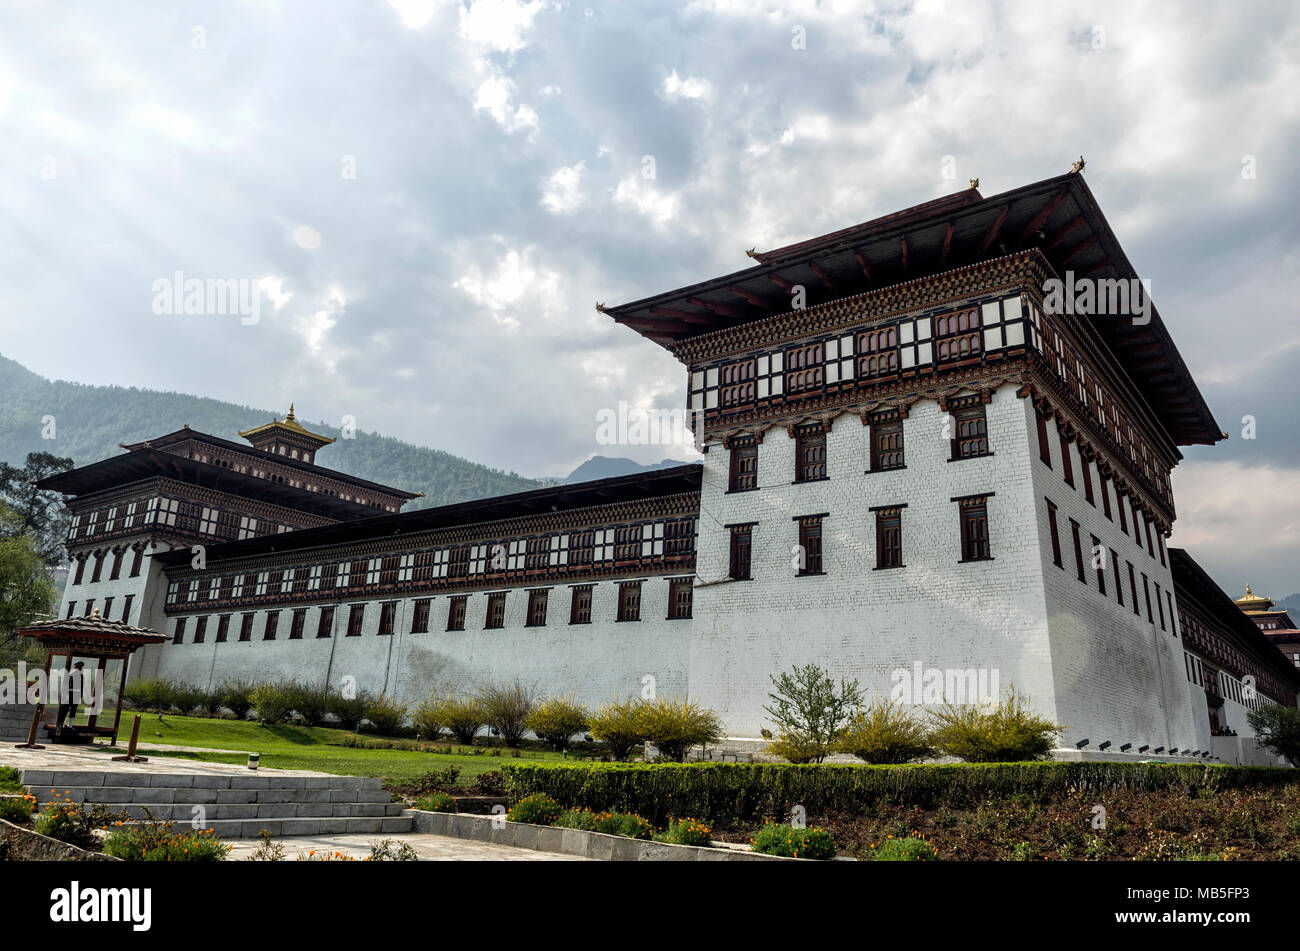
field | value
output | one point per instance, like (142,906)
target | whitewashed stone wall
(857,622)
(1116,675)
(594,662)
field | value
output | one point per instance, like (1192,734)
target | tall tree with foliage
(39,513)
(810,712)
(26,593)
(1277,728)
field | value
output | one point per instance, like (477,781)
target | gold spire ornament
(974,183)
(1077,167)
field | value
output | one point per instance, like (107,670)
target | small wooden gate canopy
(92,637)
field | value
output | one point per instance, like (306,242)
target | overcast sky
(434,194)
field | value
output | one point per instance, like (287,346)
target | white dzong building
(916,465)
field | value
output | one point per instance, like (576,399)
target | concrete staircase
(233,805)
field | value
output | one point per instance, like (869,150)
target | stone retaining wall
(23,845)
(592,845)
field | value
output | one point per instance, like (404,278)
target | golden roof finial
(752,252)
(1248,591)
(289,418)
(1077,167)
(974,183)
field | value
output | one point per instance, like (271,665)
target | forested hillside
(90,421)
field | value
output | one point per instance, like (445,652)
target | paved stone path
(430,848)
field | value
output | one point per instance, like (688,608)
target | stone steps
(233,805)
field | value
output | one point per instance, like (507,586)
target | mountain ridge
(90,421)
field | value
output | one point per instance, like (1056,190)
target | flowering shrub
(539,809)
(916,847)
(156,842)
(73,823)
(688,832)
(437,802)
(627,824)
(16,808)
(784,840)
(583,819)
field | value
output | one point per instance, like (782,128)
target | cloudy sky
(432,195)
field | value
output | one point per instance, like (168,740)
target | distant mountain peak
(607,467)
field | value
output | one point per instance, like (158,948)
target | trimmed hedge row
(752,791)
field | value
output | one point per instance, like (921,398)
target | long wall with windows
(594,602)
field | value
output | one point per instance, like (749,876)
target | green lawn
(315,748)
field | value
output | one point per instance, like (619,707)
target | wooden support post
(94,717)
(31,743)
(121,689)
(130,756)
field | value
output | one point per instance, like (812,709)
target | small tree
(505,708)
(464,716)
(1277,728)
(885,732)
(1008,732)
(234,696)
(271,702)
(556,719)
(617,724)
(809,710)
(674,726)
(428,718)
(349,709)
(386,714)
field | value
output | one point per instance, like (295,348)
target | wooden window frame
(537,600)
(457,608)
(680,605)
(810,462)
(1078,552)
(246,626)
(888,450)
(420,615)
(387,618)
(325,623)
(580,604)
(971,445)
(1067,463)
(223,629)
(889,537)
(629,601)
(494,617)
(976,539)
(356,620)
(1055,533)
(272,625)
(297,623)
(742,475)
(1100,569)
(741,552)
(810,540)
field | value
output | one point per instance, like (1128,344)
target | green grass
(314,748)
